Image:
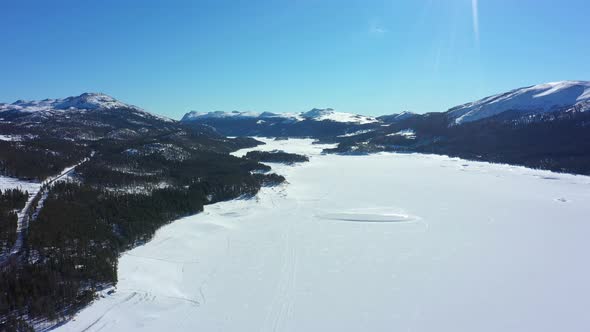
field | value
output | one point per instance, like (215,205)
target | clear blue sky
(369,57)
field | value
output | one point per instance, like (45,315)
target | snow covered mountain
(316,114)
(194,115)
(88,101)
(329,114)
(540,98)
(84,102)
(397,117)
(82,120)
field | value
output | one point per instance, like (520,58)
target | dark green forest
(11,201)
(276,157)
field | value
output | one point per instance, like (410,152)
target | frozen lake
(386,242)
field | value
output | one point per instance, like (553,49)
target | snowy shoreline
(472,236)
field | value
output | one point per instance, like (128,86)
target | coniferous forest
(276,157)
(11,201)
(123,189)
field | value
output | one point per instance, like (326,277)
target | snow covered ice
(469,246)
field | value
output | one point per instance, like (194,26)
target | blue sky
(369,57)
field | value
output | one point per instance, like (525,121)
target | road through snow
(469,247)
(36,191)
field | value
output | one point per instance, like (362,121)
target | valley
(249,203)
(287,166)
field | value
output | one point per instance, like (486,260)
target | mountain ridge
(540,98)
(88,101)
(315,114)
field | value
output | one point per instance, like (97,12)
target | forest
(11,200)
(39,158)
(73,245)
(276,157)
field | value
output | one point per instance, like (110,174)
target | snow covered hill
(534,99)
(331,115)
(83,102)
(88,101)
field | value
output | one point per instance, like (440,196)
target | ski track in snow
(411,243)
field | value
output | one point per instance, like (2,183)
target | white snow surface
(14,183)
(538,98)
(385,242)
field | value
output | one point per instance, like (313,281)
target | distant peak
(91,101)
(88,101)
(321,114)
(317,112)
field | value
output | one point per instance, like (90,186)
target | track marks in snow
(282,306)
(127,299)
(142,296)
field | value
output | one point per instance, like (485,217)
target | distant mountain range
(544,126)
(533,100)
(315,114)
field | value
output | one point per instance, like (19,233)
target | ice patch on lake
(366,215)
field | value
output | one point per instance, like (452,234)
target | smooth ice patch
(376,215)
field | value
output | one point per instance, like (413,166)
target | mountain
(62,130)
(396,117)
(316,114)
(86,102)
(329,114)
(542,98)
(195,116)
(314,123)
